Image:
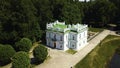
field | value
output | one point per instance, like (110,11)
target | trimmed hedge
(40,53)
(21,60)
(6,52)
(23,45)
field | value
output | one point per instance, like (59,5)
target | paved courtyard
(60,59)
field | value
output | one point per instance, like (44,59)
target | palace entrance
(54,44)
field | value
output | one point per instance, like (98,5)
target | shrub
(40,53)
(21,60)
(23,45)
(6,52)
(118,50)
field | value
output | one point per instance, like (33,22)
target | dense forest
(28,18)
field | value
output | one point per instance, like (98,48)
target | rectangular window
(55,36)
(49,44)
(73,37)
(49,35)
(61,38)
(61,46)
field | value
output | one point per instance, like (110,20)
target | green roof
(61,26)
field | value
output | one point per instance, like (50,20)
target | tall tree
(117,4)
(101,12)
(16,19)
(44,12)
(36,32)
(71,14)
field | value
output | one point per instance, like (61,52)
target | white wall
(82,40)
(84,0)
(59,39)
(73,37)
(66,45)
(59,45)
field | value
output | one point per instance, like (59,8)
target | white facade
(83,0)
(64,37)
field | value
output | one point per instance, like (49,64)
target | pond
(115,61)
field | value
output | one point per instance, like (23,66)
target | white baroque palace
(82,0)
(64,37)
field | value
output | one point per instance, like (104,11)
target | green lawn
(71,51)
(60,26)
(99,57)
(95,29)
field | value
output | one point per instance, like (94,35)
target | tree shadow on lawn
(4,63)
(35,61)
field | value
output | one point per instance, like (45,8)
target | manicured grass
(71,51)
(99,57)
(95,29)
(60,26)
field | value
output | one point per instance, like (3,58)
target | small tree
(21,60)
(36,32)
(40,53)
(6,52)
(23,45)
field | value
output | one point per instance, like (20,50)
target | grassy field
(95,29)
(71,51)
(99,57)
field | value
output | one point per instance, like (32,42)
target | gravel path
(60,59)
